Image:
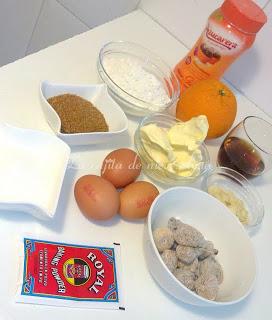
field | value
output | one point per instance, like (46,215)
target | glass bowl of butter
(237,193)
(173,152)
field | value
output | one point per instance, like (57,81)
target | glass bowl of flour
(140,81)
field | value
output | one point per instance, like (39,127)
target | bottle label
(220,41)
(218,46)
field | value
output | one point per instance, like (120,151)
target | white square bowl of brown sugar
(82,114)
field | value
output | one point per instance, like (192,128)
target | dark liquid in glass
(241,156)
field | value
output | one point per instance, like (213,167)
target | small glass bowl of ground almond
(237,193)
(82,114)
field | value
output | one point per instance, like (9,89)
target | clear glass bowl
(153,169)
(243,189)
(150,63)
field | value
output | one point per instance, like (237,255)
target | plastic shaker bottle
(230,30)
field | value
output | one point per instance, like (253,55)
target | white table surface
(74,61)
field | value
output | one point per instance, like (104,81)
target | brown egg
(96,197)
(136,199)
(121,167)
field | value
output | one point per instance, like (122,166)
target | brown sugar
(78,115)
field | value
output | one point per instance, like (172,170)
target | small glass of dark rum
(248,147)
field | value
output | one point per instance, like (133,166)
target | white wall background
(27,26)
(251,73)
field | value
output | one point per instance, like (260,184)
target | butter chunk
(190,134)
(177,149)
(152,134)
(157,154)
(186,163)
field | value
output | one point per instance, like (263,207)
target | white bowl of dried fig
(196,250)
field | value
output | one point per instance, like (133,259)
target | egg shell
(121,167)
(96,197)
(136,199)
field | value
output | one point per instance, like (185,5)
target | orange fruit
(211,98)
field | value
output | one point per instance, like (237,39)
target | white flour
(129,75)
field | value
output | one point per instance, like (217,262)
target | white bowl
(217,224)
(32,168)
(98,95)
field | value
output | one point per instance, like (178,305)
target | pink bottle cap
(244,14)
